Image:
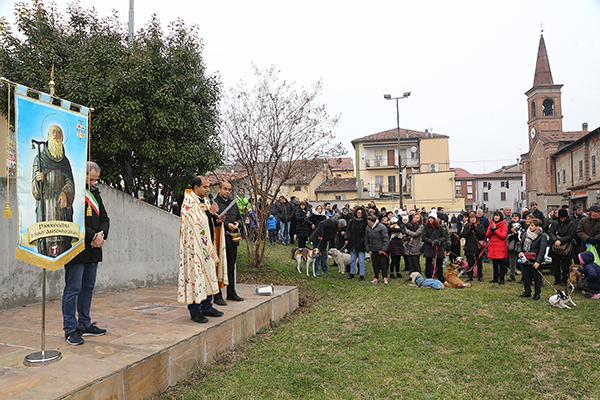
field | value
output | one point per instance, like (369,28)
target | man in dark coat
(323,233)
(285,212)
(536,212)
(80,272)
(232,223)
(588,230)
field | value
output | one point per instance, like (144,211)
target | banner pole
(43,357)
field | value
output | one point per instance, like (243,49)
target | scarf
(530,237)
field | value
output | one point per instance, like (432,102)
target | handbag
(480,243)
(565,249)
(530,256)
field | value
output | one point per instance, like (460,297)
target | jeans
(284,232)
(361,262)
(204,306)
(77,295)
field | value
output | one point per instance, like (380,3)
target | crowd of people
(511,241)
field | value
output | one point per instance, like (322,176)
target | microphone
(211,198)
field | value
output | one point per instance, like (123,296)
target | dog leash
(558,292)
(487,242)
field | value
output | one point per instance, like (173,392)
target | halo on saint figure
(55,119)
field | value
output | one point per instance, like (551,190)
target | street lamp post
(389,97)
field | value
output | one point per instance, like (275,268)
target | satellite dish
(363,154)
(413,149)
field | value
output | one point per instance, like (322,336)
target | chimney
(584,127)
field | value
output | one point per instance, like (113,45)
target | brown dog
(574,276)
(452,279)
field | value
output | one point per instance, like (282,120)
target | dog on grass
(574,276)
(422,282)
(451,275)
(560,300)
(341,259)
(308,255)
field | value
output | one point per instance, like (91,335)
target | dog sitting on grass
(574,276)
(451,275)
(308,255)
(422,282)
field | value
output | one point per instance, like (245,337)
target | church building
(546,138)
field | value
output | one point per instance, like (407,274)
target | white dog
(560,300)
(308,255)
(341,259)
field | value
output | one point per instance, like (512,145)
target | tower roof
(543,76)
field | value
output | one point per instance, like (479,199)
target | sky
(466,63)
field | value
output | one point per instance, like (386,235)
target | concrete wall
(142,250)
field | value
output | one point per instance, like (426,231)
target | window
(502,184)
(379,183)
(580,169)
(533,109)
(548,106)
(523,196)
(485,196)
(564,176)
(338,197)
(470,187)
(502,196)
(593,165)
(379,154)
(457,188)
(297,189)
(558,177)
(391,184)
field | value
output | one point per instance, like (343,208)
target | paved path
(151,343)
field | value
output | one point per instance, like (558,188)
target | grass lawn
(356,340)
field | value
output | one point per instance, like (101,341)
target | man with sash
(201,271)
(80,272)
(231,225)
(53,189)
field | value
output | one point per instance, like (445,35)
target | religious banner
(51,148)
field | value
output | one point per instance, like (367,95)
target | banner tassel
(7,210)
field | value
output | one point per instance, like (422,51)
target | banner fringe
(51,265)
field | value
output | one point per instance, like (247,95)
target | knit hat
(562,213)
(432,214)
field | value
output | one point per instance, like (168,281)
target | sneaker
(375,280)
(385,281)
(74,338)
(596,296)
(92,330)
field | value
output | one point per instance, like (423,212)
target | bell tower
(544,106)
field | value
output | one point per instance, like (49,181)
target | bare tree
(269,131)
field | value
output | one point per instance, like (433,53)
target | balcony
(386,163)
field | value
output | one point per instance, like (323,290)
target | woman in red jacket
(496,233)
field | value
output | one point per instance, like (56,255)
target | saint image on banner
(53,188)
